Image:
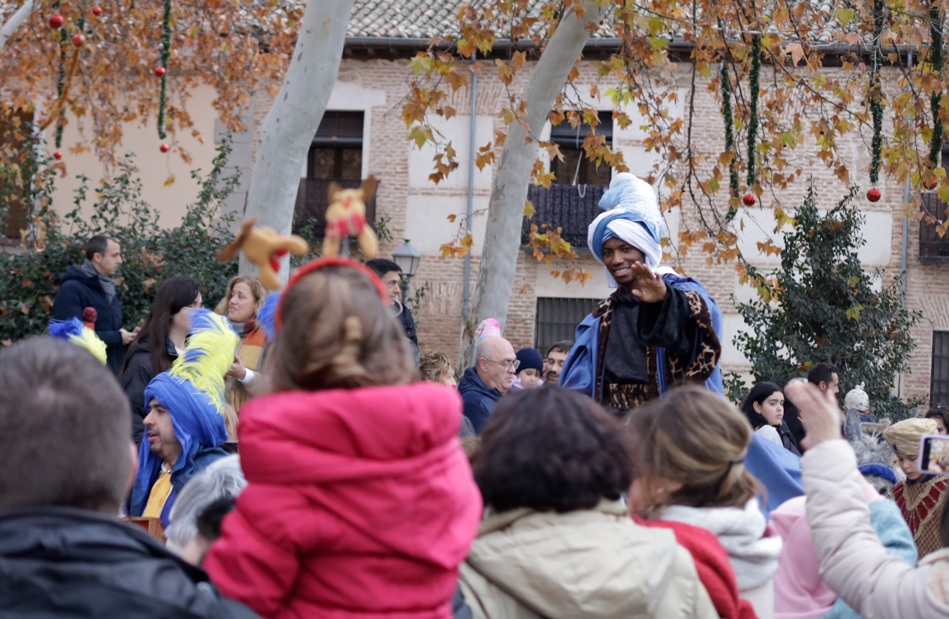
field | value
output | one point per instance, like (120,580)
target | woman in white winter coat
(853,562)
(557,541)
(689,467)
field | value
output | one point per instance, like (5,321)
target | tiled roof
(424,19)
(404,19)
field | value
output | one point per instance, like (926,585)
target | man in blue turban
(185,424)
(657,330)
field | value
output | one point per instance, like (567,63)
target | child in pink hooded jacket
(360,501)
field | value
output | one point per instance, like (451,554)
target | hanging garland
(876,103)
(61,78)
(161,71)
(936,60)
(729,135)
(60,88)
(753,86)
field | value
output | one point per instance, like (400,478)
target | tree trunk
(14,22)
(292,121)
(509,189)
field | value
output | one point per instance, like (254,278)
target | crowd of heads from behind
(602,476)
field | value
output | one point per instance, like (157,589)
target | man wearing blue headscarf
(184,428)
(658,328)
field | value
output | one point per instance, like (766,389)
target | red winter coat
(360,503)
(711,563)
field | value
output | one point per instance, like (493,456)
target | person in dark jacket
(488,379)
(158,343)
(91,285)
(391,275)
(63,553)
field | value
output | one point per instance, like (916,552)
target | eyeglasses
(506,363)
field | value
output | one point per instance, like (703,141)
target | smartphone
(934,454)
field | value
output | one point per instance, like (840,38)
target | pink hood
(370,486)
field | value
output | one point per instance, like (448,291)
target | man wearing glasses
(488,379)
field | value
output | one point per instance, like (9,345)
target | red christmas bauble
(932,184)
(164,148)
(57,155)
(97,10)
(56,21)
(748,199)
(159,71)
(873,194)
(78,40)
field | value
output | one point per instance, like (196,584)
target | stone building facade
(372,82)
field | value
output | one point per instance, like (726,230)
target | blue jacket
(80,290)
(776,467)
(478,398)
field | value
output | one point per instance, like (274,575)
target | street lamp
(407,257)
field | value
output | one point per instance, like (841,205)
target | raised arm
(853,561)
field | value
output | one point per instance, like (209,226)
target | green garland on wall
(60,84)
(876,92)
(729,131)
(936,60)
(165,58)
(753,87)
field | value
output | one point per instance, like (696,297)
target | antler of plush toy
(346,216)
(264,248)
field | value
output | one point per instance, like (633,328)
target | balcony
(570,207)
(932,247)
(309,216)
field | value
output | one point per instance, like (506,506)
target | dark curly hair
(551,449)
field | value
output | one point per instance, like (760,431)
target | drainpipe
(904,249)
(465,308)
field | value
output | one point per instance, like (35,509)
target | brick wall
(440,315)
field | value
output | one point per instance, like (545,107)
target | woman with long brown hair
(242,301)
(158,343)
(689,467)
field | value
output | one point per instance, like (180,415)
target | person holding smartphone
(921,497)
(853,561)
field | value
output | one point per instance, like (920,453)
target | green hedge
(29,279)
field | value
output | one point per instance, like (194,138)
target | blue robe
(778,469)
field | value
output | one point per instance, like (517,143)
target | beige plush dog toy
(264,248)
(346,216)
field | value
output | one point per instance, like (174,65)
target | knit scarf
(251,347)
(244,328)
(107,283)
(753,549)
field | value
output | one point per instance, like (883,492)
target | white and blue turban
(631,213)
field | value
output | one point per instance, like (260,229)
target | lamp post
(407,257)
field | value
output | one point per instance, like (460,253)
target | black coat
(408,325)
(136,375)
(80,290)
(70,564)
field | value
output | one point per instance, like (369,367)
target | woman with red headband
(360,501)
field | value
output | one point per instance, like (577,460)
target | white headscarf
(631,214)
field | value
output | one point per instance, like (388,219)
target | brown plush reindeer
(264,248)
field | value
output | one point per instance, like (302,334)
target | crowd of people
(300,457)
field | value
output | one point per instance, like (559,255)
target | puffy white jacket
(853,562)
(592,563)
